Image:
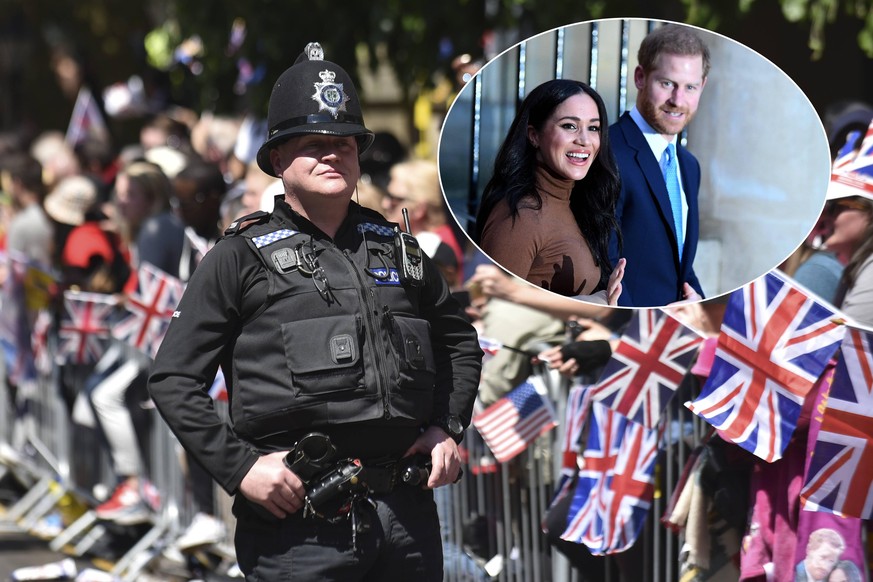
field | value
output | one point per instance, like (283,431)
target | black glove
(590,355)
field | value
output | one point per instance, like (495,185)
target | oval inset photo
(648,160)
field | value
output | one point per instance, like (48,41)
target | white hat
(70,199)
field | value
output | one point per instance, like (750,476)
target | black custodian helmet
(313,96)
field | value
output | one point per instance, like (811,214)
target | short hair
(206,175)
(825,536)
(26,169)
(672,39)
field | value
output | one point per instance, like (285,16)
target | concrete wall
(765,166)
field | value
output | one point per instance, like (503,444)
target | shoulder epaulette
(240,224)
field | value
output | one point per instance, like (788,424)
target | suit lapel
(650,168)
(690,184)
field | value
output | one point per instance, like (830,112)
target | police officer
(328,323)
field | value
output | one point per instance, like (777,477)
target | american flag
(150,309)
(840,475)
(616,483)
(85,326)
(645,369)
(509,425)
(774,343)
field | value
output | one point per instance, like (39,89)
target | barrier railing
(512,498)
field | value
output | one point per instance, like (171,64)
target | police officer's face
(325,165)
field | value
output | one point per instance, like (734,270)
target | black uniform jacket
(350,350)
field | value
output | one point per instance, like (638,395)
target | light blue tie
(671,176)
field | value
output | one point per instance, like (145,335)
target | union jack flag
(575,417)
(578,404)
(509,425)
(840,475)
(218,390)
(854,176)
(42,356)
(150,309)
(647,366)
(774,343)
(489,346)
(615,486)
(846,154)
(863,162)
(85,326)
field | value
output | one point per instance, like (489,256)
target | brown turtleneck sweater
(543,246)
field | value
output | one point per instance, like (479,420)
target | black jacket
(353,351)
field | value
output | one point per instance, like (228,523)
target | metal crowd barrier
(63,461)
(514,497)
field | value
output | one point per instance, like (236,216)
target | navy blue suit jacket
(654,275)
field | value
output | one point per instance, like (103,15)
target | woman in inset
(548,211)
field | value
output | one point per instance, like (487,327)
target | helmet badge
(314,52)
(330,95)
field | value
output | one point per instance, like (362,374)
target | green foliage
(819,13)
(419,38)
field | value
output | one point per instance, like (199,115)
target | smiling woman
(547,213)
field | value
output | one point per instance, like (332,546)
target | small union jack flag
(509,425)
(852,174)
(774,343)
(85,326)
(489,346)
(840,475)
(645,369)
(150,309)
(616,483)
(218,390)
(42,356)
(846,154)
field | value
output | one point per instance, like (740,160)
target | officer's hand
(443,453)
(271,484)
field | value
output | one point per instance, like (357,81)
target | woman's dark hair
(593,199)
(849,568)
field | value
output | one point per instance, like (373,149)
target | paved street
(21,549)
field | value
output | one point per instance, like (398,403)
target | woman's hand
(492,282)
(554,359)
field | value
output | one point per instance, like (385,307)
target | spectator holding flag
(118,383)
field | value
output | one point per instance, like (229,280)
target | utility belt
(338,490)
(333,485)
